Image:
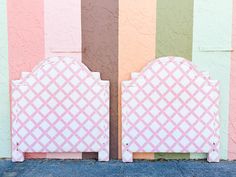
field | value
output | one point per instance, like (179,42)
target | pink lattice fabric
(60,106)
(170,106)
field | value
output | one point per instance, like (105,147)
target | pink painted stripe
(26,38)
(32,38)
(62,24)
(62,38)
(232,122)
(26,35)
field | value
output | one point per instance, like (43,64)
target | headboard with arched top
(170,106)
(61,106)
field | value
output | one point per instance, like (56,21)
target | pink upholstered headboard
(61,106)
(170,106)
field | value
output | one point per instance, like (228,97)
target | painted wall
(174,27)
(62,36)
(25,37)
(232,108)
(38,29)
(137,33)
(198,30)
(62,31)
(212,33)
(100,53)
(5,147)
(174,31)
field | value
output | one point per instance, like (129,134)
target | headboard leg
(127,156)
(17,156)
(103,155)
(213,156)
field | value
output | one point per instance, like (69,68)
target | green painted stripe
(174,37)
(174,28)
(5,145)
(212,33)
(171,156)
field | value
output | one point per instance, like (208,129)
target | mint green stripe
(5,145)
(212,33)
(174,28)
(174,38)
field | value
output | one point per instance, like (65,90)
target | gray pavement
(84,168)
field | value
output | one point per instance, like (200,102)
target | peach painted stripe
(232,121)
(26,37)
(62,26)
(137,43)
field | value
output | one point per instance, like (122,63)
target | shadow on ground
(77,168)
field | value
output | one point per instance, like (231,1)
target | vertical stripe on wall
(62,32)
(174,38)
(25,36)
(174,28)
(100,53)
(232,122)
(62,24)
(212,32)
(137,34)
(5,145)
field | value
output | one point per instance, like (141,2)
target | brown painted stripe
(100,53)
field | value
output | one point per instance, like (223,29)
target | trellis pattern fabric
(61,106)
(170,106)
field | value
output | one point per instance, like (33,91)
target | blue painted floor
(77,168)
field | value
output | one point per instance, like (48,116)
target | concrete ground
(76,168)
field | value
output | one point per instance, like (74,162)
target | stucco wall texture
(174,31)
(33,36)
(115,38)
(5,145)
(25,37)
(232,108)
(212,52)
(174,28)
(100,53)
(137,38)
